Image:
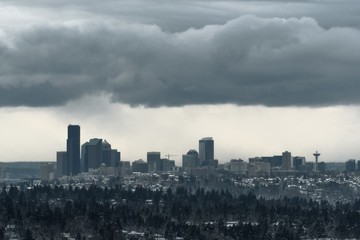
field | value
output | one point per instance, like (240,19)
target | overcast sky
(261,77)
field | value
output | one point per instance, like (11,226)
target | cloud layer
(246,61)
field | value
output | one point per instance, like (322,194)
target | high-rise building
(92,154)
(73,150)
(83,168)
(286,160)
(172,164)
(60,164)
(153,160)
(164,165)
(206,150)
(95,152)
(350,165)
(190,160)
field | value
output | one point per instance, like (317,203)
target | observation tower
(316,154)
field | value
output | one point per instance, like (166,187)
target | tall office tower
(206,150)
(83,168)
(118,159)
(60,164)
(286,160)
(153,160)
(190,160)
(92,154)
(73,150)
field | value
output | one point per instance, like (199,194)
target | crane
(169,155)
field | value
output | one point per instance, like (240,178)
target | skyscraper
(111,157)
(286,160)
(190,160)
(73,150)
(206,150)
(153,160)
(92,155)
(95,152)
(60,164)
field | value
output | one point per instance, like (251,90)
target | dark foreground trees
(44,212)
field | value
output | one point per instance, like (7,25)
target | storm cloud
(249,60)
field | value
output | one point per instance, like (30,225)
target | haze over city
(258,77)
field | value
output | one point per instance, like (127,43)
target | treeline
(45,212)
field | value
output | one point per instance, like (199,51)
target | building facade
(286,161)
(190,160)
(275,161)
(298,162)
(153,160)
(93,154)
(350,165)
(60,164)
(111,157)
(206,150)
(73,150)
(140,166)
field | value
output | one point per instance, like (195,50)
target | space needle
(316,154)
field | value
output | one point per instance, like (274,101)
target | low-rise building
(140,166)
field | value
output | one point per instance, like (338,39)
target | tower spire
(316,154)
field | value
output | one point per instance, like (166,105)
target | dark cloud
(247,61)
(178,16)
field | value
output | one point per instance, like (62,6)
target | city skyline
(220,154)
(98,155)
(259,77)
